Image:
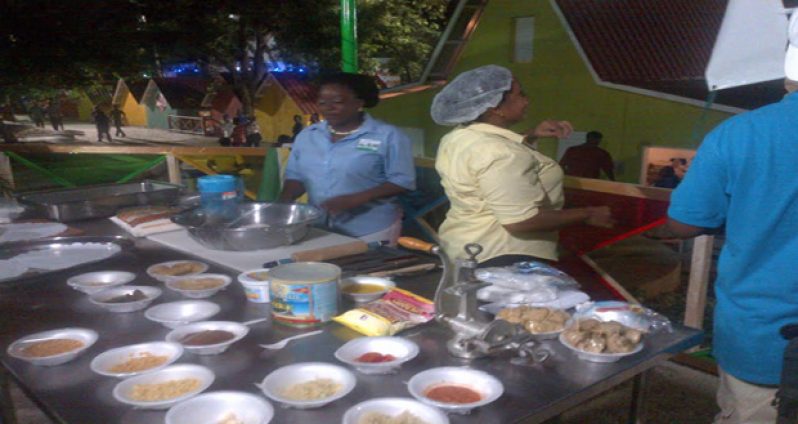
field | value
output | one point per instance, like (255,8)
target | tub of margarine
(304,294)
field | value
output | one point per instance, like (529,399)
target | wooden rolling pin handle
(415,244)
(332,252)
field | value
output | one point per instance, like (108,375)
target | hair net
(471,94)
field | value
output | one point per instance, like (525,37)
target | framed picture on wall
(664,166)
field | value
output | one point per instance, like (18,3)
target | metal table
(72,393)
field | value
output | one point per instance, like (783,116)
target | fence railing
(200,125)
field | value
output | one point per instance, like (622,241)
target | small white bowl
(88,337)
(124,388)
(488,386)
(172,283)
(282,378)
(600,357)
(394,407)
(202,267)
(385,283)
(102,363)
(93,282)
(401,348)
(182,312)
(239,330)
(256,285)
(214,407)
(101,297)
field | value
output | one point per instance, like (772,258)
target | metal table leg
(637,409)
(7,414)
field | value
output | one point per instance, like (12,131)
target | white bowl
(100,298)
(102,363)
(175,372)
(88,337)
(385,283)
(394,407)
(256,289)
(488,386)
(238,329)
(282,378)
(600,357)
(214,407)
(401,348)
(164,278)
(182,312)
(199,294)
(93,282)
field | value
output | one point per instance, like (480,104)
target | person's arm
(292,189)
(553,220)
(350,201)
(681,230)
(608,166)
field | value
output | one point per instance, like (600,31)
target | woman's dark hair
(364,86)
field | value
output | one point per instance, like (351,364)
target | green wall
(560,86)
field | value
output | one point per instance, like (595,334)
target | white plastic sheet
(751,44)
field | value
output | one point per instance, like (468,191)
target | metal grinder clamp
(456,308)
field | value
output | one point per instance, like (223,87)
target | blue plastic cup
(219,195)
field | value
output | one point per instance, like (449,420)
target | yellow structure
(279,98)
(128,98)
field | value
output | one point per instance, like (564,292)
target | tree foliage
(78,42)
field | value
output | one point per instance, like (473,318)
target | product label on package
(304,304)
(227,195)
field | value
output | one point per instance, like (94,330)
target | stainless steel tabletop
(72,393)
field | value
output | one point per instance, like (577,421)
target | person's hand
(600,216)
(551,128)
(343,203)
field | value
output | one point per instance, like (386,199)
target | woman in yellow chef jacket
(504,195)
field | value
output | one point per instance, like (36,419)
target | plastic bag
(501,294)
(397,310)
(527,276)
(628,314)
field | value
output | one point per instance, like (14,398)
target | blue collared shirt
(375,154)
(744,176)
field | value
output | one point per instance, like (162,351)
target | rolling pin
(331,252)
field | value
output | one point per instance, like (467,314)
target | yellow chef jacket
(493,179)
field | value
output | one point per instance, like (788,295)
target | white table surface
(242,261)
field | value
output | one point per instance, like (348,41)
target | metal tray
(100,201)
(9,250)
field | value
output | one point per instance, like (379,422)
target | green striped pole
(349,36)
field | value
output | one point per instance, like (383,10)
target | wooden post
(699,281)
(6,173)
(173,167)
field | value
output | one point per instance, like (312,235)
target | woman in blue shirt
(352,165)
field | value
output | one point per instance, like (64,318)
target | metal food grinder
(456,307)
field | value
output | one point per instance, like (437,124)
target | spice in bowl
(365,288)
(319,388)
(375,358)
(142,362)
(177,269)
(203,283)
(51,347)
(133,296)
(164,391)
(207,337)
(452,393)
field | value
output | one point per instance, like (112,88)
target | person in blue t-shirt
(352,165)
(743,178)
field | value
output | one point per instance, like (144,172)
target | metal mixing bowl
(257,226)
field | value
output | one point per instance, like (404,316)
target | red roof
(300,90)
(660,45)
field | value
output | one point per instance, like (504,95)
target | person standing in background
(54,113)
(102,123)
(588,160)
(298,126)
(118,115)
(36,114)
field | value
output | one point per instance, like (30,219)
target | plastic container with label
(219,195)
